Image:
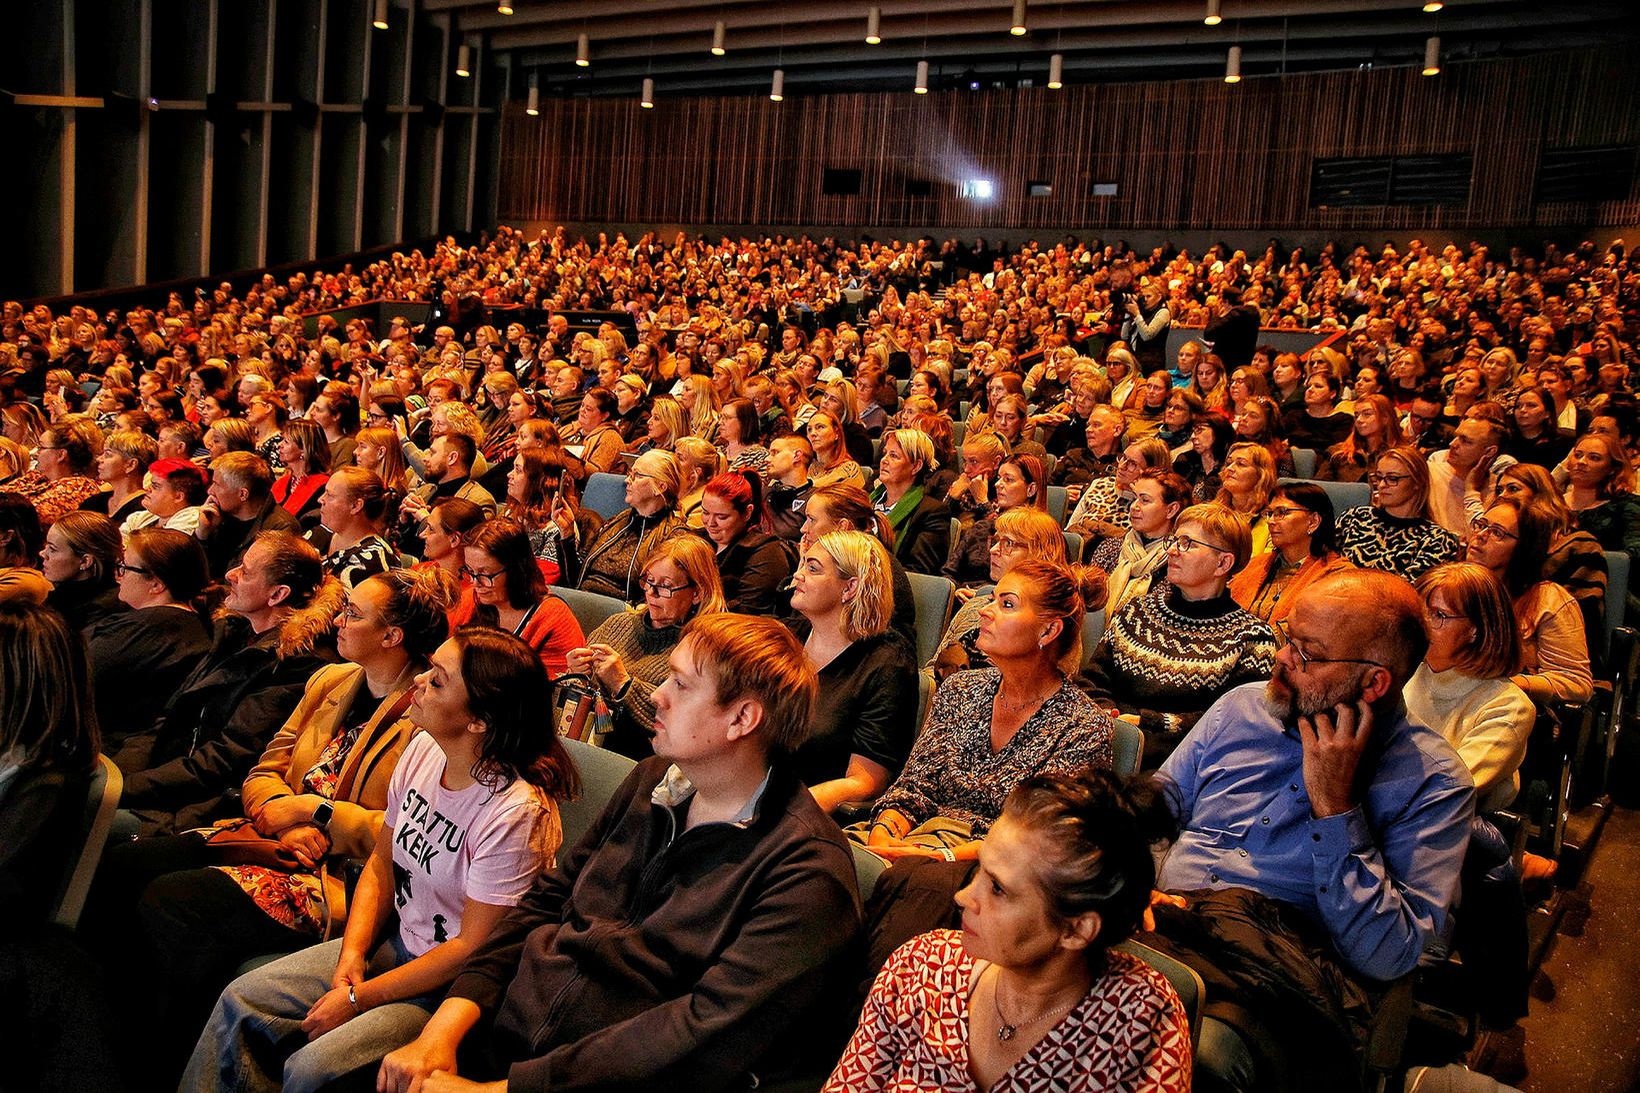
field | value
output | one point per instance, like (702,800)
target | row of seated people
(758,938)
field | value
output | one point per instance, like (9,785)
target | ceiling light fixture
(719,34)
(777,89)
(583,51)
(1213,18)
(504,8)
(1433,6)
(1018,27)
(1232,65)
(874,27)
(922,78)
(1432,56)
(380,21)
(532,104)
(647,99)
(464,60)
(1056,72)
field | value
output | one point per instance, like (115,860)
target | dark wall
(249,156)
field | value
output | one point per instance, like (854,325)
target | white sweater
(1488,721)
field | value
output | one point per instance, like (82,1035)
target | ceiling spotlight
(777,89)
(1213,18)
(1018,26)
(1432,56)
(647,99)
(874,27)
(380,21)
(583,51)
(719,33)
(532,104)
(922,78)
(1056,72)
(1232,65)
(1433,6)
(503,8)
(464,60)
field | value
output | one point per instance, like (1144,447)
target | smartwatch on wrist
(323,813)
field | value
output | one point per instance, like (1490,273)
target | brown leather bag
(237,842)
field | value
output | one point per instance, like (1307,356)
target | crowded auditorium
(942,545)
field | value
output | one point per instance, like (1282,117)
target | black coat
(753,568)
(138,661)
(216,728)
(922,542)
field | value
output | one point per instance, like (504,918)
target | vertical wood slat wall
(1188,154)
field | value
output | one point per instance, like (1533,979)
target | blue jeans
(256,1027)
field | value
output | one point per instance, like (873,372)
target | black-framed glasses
(1386,478)
(480,577)
(1184,544)
(663,591)
(1481,526)
(121,569)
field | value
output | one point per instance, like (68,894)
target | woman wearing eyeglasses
(626,655)
(1600,495)
(623,546)
(1511,540)
(1377,429)
(1020,482)
(1575,561)
(1134,559)
(1168,655)
(1101,513)
(1304,548)
(140,657)
(1396,533)
(512,593)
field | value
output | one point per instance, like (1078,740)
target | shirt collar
(675,788)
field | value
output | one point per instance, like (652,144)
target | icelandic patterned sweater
(1167,659)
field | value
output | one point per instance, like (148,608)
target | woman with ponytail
(865,712)
(354,508)
(752,563)
(272,880)
(140,657)
(471,818)
(1030,985)
(993,727)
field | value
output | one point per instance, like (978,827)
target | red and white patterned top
(1129,1034)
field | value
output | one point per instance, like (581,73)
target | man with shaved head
(1315,792)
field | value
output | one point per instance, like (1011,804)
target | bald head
(1369,614)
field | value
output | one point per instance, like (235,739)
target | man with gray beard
(1316,792)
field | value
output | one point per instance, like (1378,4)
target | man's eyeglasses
(1385,478)
(480,577)
(1481,527)
(1184,544)
(1307,659)
(662,591)
(121,569)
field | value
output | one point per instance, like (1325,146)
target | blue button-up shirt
(1380,878)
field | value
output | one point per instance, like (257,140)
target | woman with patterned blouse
(1028,997)
(994,727)
(354,507)
(1396,533)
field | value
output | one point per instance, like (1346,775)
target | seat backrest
(933,596)
(1093,628)
(1344,495)
(925,697)
(867,868)
(589,608)
(602,773)
(1304,462)
(102,798)
(956,537)
(1181,976)
(604,494)
(959,433)
(1128,744)
(1056,504)
(1073,547)
(1617,594)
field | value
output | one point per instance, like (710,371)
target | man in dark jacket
(700,934)
(274,636)
(239,507)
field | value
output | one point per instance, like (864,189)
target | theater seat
(1056,504)
(933,596)
(1304,462)
(102,797)
(605,494)
(1344,495)
(602,773)
(1128,744)
(590,608)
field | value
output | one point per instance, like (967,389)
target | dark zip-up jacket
(655,957)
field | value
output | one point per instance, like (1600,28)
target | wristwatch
(323,813)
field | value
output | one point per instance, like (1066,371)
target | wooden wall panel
(1186,154)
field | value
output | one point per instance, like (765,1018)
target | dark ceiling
(820,44)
